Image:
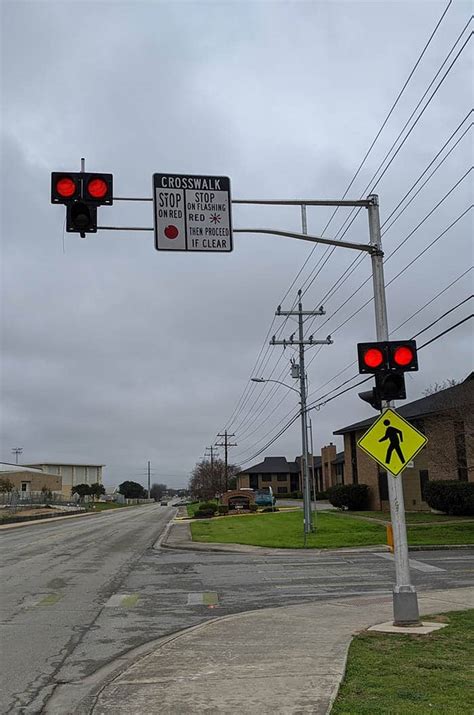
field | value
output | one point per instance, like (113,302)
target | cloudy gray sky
(115,353)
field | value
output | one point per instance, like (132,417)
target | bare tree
(157,491)
(438,386)
(208,480)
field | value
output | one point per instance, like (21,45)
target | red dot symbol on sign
(171,231)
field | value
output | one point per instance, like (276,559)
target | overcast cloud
(115,353)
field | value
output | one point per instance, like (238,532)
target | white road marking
(417,565)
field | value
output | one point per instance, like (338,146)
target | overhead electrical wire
(354,178)
(458,305)
(321,404)
(372,186)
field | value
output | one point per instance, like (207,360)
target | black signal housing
(98,188)
(385,356)
(65,187)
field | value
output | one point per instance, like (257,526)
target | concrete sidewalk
(279,660)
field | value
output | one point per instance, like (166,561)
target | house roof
(459,396)
(273,465)
(64,464)
(11,468)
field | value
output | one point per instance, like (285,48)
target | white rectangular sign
(192,213)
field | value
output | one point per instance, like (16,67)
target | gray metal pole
(308,526)
(149,464)
(312,469)
(405,601)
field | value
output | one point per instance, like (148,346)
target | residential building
(72,473)
(446,418)
(285,477)
(27,479)
(275,472)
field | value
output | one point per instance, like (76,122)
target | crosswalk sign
(392,441)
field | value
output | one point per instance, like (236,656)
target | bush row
(451,497)
(354,497)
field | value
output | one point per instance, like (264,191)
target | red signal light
(403,355)
(97,188)
(373,358)
(66,187)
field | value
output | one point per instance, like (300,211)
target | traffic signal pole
(405,603)
(405,600)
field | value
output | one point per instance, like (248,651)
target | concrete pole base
(405,606)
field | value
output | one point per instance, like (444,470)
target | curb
(48,520)
(266,550)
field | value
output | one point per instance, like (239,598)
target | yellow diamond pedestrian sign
(392,441)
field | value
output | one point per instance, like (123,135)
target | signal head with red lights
(94,188)
(387,356)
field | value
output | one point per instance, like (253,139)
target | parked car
(163,502)
(264,497)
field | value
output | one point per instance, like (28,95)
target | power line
(374,141)
(448,330)
(370,188)
(321,401)
(401,92)
(359,259)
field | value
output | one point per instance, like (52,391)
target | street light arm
(261,379)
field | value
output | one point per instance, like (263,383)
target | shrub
(321,495)
(353,497)
(223,509)
(204,514)
(451,497)
(253,507)
(208,506)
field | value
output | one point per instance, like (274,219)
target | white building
(72,474)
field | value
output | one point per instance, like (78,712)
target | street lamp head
(257,379)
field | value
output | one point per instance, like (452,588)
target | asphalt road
(56,578)
(77,594)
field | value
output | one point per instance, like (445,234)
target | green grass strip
(411,675)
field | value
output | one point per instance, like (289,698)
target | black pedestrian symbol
(395,436)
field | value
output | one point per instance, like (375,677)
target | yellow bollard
(390,537)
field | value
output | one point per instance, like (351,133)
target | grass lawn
(411,674)
(413,517)
(285,530)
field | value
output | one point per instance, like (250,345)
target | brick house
(446,418)
(285,477)
(275,472)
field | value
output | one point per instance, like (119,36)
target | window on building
(355,476)
(424,479)
(282,477)
(282,490)
(383,486)
(460,443)
(24,486)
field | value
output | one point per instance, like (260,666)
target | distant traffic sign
(192,213)
(392,442)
